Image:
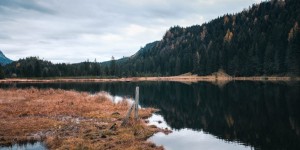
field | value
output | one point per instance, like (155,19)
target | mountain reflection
(261,115)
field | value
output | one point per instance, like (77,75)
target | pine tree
(37,69)
(196,62)
(293,54)
(113,66)
(1,73)
(178,66)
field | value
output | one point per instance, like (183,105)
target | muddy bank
(71,120)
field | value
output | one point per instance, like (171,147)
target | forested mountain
(261,40)
(3,59)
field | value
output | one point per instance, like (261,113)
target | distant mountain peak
(3,59)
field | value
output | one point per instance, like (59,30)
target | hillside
(261,40)
(3,59)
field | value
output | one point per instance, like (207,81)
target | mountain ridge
(261,40)
(3,59)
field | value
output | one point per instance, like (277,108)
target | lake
(236,115)
(25,146)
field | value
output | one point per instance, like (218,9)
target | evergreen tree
(293,52)
(113,66)
(196,62)
(178,66)
(1,73)
(37,69)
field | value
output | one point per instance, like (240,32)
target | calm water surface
(238,115)
(25,146)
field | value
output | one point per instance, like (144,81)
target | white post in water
(136,115)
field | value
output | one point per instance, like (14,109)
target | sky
(73,31)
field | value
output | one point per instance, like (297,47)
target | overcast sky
(76,30)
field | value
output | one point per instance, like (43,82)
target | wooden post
(136,112)
(128,115)
(135,105)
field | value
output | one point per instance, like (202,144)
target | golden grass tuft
(70,120)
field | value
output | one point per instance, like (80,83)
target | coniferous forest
(263,39)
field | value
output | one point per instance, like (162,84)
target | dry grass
(70,120)
(184,78)
(188,78)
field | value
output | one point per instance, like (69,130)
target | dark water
(238,115)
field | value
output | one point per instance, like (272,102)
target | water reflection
(189,139)
(256,114)
(26,146)
(158,121)
(262,115)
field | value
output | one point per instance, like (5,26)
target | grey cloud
(24,4)
(76,30)
(4,36)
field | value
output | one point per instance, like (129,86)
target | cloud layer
(76,30)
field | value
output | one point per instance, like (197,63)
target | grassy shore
(184,78)
(71,120)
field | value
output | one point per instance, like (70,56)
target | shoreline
(192,78)
(64,119)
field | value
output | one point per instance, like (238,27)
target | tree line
(36,67)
